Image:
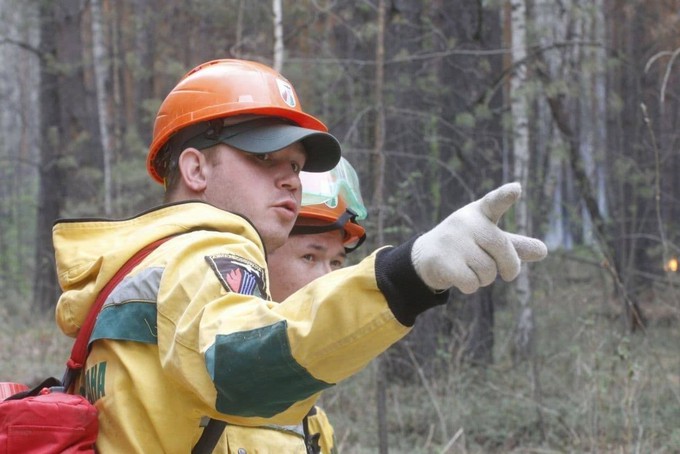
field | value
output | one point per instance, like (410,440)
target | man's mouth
(288,205)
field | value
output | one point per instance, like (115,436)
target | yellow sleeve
(251,361)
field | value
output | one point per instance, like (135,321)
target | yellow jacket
(191,333)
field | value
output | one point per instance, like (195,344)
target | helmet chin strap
(339,224)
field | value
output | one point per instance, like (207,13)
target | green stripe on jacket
(255,373)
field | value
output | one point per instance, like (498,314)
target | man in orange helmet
(325,231)
(191,336)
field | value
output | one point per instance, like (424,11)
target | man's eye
(308,258)
(337,264)
(264,157)
(296,167)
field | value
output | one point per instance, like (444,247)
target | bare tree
(519,106)
(577,103)
(278,35)
(101,73)
(19,126)
(51,196)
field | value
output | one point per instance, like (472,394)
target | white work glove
(467,250)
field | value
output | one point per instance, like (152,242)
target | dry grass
(32,347)
(594,388)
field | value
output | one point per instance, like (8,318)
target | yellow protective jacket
(191,333)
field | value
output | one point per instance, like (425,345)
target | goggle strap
(359,243)
(339,224)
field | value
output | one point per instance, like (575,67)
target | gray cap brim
(266,136)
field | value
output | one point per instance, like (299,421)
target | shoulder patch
(238,275)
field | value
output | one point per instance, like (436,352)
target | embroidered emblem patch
(287,92)
(238,275)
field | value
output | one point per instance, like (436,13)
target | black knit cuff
(406,294)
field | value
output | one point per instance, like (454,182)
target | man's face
(265,188)
(302,259)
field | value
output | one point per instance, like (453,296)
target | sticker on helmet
(286,91)
(238,275)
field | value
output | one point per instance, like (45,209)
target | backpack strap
(210,436)
(79,351)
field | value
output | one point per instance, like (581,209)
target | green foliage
(483,112)
(87,203)
(556,88)
(149,109)
(137,191)
(615,103)
(17,227)
(470,146)
(399,202)
(465,120)
(170,69)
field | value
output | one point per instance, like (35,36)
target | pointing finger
(528,249)
(497,202)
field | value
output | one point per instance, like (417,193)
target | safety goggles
(327,187)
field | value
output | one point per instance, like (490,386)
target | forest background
(435,103)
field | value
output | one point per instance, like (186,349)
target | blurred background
(435,102)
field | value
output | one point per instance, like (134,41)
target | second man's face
(302,259)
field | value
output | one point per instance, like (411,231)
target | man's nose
(290,179)
(326,267)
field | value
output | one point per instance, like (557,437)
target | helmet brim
(322,149)
(353,233)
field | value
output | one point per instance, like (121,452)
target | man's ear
(192,169)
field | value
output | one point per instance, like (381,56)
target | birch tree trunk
(554,27)
(592,101)
(525,332)
(519,106)
(278,35)
(599,57)
(101,66)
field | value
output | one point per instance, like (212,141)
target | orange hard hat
(226,88)
(338,217)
